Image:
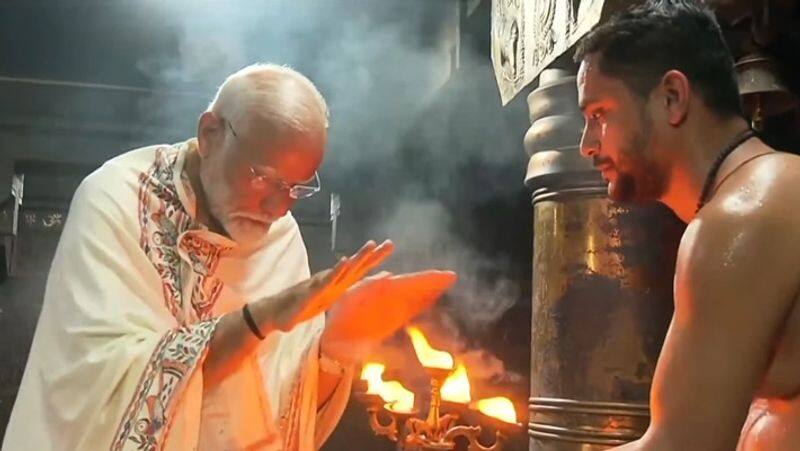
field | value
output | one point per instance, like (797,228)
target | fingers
(380,275)
(353,261)
(430,279)
(413,285)
(332,283)
(337,271)
(321,301)
(378,305)
(328,286)
(420,290)
(374,259)
(369,257)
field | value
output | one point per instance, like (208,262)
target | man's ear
(210,132)
(674,91)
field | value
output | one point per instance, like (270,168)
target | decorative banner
(527,35)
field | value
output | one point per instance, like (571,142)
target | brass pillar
(602,287)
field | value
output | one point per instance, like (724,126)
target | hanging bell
(763,93)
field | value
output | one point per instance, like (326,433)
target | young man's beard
(640,178)
(646,184)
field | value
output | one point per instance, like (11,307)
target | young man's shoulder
(755,213)
(763,190)
(787,166)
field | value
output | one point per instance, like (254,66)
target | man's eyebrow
(585,104)
(269,170)
(261,169)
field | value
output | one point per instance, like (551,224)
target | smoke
(377,63)
(484,368)
(380,65)
(415,151)
(426,238)
(418,153)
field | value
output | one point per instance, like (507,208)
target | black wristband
(251,323)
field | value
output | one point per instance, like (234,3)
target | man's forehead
(268,142)
(593,85)
(586,82)
(295,160)
(585,65)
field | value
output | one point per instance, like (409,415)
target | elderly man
(179,313)
(664,122)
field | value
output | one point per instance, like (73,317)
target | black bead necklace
(712,173)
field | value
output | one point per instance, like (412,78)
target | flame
(372,373)
(456,386)
(429,357)
(396,396)
(500,408)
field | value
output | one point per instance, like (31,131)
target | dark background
(420,149)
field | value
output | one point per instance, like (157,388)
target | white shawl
(132,299)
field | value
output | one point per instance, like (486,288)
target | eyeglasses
(261,181)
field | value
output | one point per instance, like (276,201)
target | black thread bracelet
(251,323)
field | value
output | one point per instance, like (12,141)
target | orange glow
(500,408)
(396,396)
(429,357)
(456,386)
(372,373)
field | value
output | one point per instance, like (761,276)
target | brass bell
(763,93)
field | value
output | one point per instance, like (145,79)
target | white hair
(280,96)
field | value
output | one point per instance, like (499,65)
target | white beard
(240,229)
(244,231)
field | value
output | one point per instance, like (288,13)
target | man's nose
(589,143)
(277,205)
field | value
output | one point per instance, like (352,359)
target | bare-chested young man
(658,91)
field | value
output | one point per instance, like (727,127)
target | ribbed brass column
(602,287)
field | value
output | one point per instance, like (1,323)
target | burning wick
(456,386)
(429,357)
(397,397)
(500,408)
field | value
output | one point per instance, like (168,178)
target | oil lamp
(391,406)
